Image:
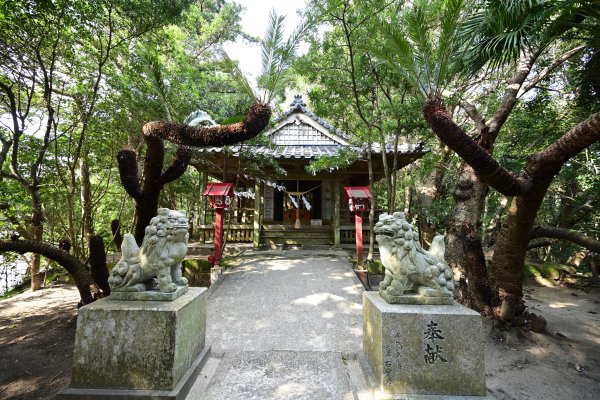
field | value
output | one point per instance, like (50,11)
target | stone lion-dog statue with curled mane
(158,261)
(408,267)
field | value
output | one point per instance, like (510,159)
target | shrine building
(295,207)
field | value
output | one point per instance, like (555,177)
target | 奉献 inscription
(431,334)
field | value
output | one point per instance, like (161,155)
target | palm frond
(423,47)
(277,55)
(271,44)
(158,83)
(239,78)
(498,31)
(419,34)
(449,41)
(399,54)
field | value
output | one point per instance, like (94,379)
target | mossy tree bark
(147,191)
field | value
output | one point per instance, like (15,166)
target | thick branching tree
(552,232)
(146,193)
(78,270)
(461,53)
(527,188)
(276,56)
(497,35)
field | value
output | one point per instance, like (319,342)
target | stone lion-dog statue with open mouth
(158,261)
(408,267)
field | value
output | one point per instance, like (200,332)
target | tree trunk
(469,195)
(71,220)
(38,234)
(408,198)
(86,200)
(221,135)
(98,267)
(387,174)
(491,231)
(373,205)
(115,228)
(511,247)
(427,194)
(476,289)
(147,193)
(76,268)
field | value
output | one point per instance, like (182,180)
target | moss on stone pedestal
(423,349)
(137,345)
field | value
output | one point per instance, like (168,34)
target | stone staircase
(305,236)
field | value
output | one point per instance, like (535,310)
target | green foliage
(497,31)
(422,43)
(113,66)
(344,158)
(277,55)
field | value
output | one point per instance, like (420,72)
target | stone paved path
(286,325)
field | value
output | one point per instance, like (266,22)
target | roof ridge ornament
(298,103)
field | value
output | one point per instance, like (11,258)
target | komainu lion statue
(163,249)
(410,268)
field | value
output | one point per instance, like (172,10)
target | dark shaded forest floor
(37,332)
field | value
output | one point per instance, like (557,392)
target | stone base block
(138,349)
(150,295)
(415,298)
(215,274)
(415,350)
(180,391)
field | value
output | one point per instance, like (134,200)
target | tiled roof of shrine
(299,133)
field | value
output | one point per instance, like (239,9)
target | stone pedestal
(215,274)
(138,349)
(423,349)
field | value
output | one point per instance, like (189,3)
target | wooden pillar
(336,212)
(257,214)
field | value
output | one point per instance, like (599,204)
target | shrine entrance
(301,197)
(293,205)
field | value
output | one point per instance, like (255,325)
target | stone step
(296,235)
(297,241)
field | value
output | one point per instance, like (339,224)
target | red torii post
(220,195)
(359,200)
